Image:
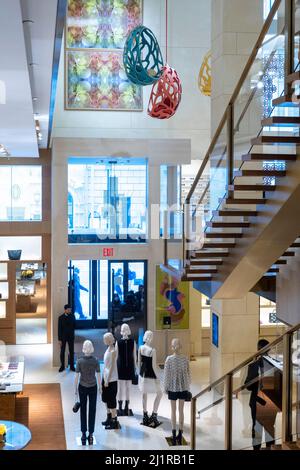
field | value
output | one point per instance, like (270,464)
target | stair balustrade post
(193,423)
(289,41)
(287,383)
(166,236)
(228,412)
(230,146)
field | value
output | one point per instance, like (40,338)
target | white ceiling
(26,59)
(17,127)
(39,40)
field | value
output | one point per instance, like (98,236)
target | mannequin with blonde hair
(149,379)
(177,385)
(87,381)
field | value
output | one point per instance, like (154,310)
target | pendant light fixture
(167,91)
(142,57)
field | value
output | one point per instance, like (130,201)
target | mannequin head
(108,339)
(148,337)
(88,348)
(125,330)
(176,345)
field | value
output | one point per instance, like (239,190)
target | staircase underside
(273,229)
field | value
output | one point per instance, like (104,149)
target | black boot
(114,424)
(126,409)
(153,421)
(120,411)
(179,437)
(90,439)
(108,420)
(146,419)
(174,442)
(83,439)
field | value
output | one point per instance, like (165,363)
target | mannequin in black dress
(126,350)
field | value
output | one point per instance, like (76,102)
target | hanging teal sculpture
(143,61)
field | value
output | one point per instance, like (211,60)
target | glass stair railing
(254,406)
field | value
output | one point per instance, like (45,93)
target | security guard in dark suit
(66,334)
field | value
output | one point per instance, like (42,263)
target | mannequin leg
(121,385)
(157,402)
(145,402)
(181,414)
(173,413)
(127,384)
(127,389)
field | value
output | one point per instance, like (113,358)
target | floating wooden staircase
(251,188)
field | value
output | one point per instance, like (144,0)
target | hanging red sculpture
(165,95)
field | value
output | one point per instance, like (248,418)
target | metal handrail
(250,359)
(235,94)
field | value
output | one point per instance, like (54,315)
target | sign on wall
(172,302)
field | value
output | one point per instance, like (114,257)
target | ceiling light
(35,98)
(28,21)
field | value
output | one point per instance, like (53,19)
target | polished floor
(133,436)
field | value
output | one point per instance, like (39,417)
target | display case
(12,370)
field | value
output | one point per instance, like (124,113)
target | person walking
(66,334)
(87,382)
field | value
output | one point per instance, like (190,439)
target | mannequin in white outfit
(110,383)
(149,379)
(126,362)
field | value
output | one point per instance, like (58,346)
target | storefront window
(21,193)
(107,200)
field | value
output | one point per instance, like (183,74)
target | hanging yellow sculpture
(204,79)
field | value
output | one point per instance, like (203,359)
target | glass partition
(210,421)
(21,193)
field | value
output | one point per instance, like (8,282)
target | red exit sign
(107,252)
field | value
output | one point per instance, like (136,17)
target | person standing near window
(66,334)
(88,369)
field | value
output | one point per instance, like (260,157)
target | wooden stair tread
(275,139)
(219,245)
(211,254)
(223,235)
(198,262)
(252,187)
(263,173)
(202,271)
(286,101)
(196,278)
(245,201)
(293,77)
(285,120)
(295,245)
(235,213)
(274,270)
(288,254)
(280,262)
(228,224)
(268,156)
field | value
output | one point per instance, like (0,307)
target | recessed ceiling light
(28,21)
(35,98)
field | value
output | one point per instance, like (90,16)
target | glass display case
(12,370)
(31,285)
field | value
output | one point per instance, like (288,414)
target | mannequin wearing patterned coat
(177,385)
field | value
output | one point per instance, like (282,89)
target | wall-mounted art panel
(103,24)
(96,80)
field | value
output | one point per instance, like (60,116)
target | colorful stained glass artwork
(96,80)
(103,24)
